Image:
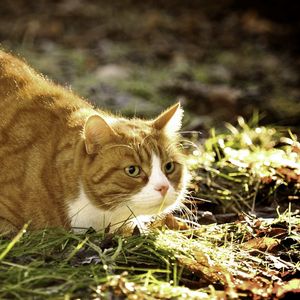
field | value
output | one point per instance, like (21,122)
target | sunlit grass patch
(246,166)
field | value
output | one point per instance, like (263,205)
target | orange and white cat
(66,164)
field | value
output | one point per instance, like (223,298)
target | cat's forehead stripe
(142,137)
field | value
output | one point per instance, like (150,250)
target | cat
(64,163)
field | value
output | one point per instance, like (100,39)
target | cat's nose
(162,188)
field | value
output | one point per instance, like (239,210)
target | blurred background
(220,58)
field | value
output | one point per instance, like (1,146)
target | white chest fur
(84,214)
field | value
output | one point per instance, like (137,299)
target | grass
(249,258)
(246,168)
(214,259)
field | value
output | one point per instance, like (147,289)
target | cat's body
(65,164)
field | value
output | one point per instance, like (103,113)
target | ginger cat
(66,164)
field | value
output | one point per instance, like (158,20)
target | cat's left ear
(97,133)
(170,120)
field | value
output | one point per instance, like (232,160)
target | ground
(227,62)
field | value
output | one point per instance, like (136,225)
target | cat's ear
(97,133)
(170,120)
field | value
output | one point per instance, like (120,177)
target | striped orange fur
(53,144)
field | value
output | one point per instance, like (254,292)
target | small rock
(111,71)
(206,217)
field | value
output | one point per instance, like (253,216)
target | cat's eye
(133,171)
(169,167)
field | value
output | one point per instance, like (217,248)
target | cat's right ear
(170,119)
(97,133)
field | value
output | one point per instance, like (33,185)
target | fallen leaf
(289,174)
(292,286)
(172,223)
(266,179)
(205,268)
(296,148)
(273,232)
(259,287)
(262,244)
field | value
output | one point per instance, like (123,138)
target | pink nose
(163,188)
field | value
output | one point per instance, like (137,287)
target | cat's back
(24,91)
(35,113)
(18,86)
(15,75)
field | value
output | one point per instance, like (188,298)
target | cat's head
(134,164)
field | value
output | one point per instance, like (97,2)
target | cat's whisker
(124,221)
(172,146)
(193,198)
(82,208)
(190,143)
(93,190)
(187,214)
(144,139)
(119,145)
(190,131)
